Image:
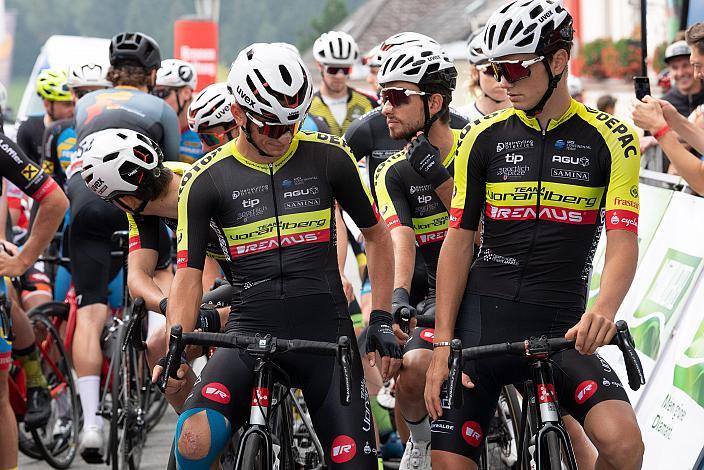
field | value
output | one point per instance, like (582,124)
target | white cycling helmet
(3,97)
(407,38)
(475,48)
(336,48)
(176,73)
(373,57)
(87,74)
(211,108)
(119,162)
(527,27)
(574,85)
(272,82)
(424,65)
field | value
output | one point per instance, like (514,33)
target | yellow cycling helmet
(52,85)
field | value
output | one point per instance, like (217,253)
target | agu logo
(472,433)
(343,449)
(216,392)
(428,334)
(584,391)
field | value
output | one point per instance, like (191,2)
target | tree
(333,13)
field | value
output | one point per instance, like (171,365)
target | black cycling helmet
(135,49)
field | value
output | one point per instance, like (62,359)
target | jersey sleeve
(22,172)
(172,134)
(347,185)
(393,205)
(358,137)
(144,232)
(197,199)
(622,200)
(470,179)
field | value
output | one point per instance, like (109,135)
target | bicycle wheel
(57,442)
(500,447)
(253,453)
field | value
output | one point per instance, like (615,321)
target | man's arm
(687,130)
(404,244)
(380,255)
(140,277)
(444,192)
(184,299)
(596,326)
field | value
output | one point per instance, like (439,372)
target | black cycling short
(93,221)
(580,381)
(312,317)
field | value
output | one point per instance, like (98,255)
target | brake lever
(454,378)
(345,360)
(174,354)
(634,367)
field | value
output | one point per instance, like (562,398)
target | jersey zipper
(537,217)
(278,231)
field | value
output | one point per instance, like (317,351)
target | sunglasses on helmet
(398,96)
(513,70)
(333,70)
(273,131)
(216,139)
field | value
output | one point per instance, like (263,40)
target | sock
(89,390)
(382,419)
(420,430)
(155,321)
(29,358)
(380,463)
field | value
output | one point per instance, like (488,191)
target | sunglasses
(273,131)
(216,139)
(162,93)
(513,70)
(486,69)
(333,70)
(398,96)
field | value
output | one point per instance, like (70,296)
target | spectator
(607,104)
(660,117)
(687,91)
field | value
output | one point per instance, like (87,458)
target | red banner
(196,41)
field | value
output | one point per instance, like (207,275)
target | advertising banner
(196,41)
(667,273)
(671,412)
(656,201)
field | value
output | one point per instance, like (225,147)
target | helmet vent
(517,30)
(110,156)
(535,12)
(504,31)
(285,75)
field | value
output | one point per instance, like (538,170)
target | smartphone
(642,86)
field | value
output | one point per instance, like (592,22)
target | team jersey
(59,149)
(369,139)
(406,199)
(315,123)
(30,136)
(22,172)
(145,230)
(277,220)
(544,196)
(358,104)
(190,148)
(127,107)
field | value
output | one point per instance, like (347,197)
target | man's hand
(426,161)
(648,114)
(348,288)
(173,385)
(434,378)
(669,112)
(11,263)
(380,338)
(593,330)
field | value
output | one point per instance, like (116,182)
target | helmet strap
(179,105)
(51,111)
(429,120)
(553,80)
(492,99)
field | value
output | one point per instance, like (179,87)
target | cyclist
(372,59)
(21,171)
(490,96)
(135,175)
(579,167)
(271,192)
(59,142)
(417,84)
(210,116)
(176,81)
(134,60)
(336,52)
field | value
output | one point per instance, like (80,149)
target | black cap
(135,49)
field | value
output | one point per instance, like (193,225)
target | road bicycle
(543,442)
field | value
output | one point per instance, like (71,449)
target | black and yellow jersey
(277,219)
(406,199)
(358,104)
(145,230)
(544,196)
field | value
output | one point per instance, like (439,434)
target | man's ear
(435,103)
(560,59)
(238,114)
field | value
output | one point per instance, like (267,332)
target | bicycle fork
(549,421)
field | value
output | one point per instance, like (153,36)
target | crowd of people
(482,219)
